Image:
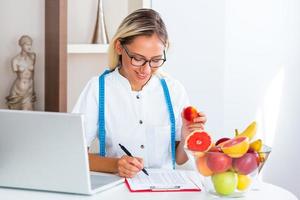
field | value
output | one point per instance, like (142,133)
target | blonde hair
(142,22)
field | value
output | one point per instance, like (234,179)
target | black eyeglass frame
(145,61)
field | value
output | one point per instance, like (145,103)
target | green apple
(225,183)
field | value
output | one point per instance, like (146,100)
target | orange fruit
(236,147)
(202,166)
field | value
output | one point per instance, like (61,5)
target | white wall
(16,19)
(196,55)
(254,65)
(262,80)
(239,61)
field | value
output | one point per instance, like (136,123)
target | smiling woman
(138,67)
(134,104)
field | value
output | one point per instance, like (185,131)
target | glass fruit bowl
(228,174)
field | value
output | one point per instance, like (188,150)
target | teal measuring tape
(101,113)
(171,117)
(101,122)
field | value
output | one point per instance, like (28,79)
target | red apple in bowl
(220,141)
(246,164)
(250,150)
(218,162)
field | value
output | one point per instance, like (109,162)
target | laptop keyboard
(102,180)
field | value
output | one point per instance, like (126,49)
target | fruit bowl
(229,174)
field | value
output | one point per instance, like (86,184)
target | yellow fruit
(262,157)
(236,147)
(250,131)
(244,182)
(256,145)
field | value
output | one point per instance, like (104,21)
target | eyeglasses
(139,62)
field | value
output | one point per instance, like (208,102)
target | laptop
(47,151)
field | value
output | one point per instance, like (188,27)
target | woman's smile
(142,76)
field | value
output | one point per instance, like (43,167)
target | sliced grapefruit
(199,141)
(236,147)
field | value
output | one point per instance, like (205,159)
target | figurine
(22,95)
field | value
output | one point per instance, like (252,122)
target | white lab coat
(137,120)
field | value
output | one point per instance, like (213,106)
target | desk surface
(267,191)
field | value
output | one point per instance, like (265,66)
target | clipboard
(162,180)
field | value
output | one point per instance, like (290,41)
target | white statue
(22,95)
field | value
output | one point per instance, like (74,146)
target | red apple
(215,149)
(222,140)
(218,162)
(246,164)
(250,150)
(190,113)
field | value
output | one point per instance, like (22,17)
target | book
(163,180)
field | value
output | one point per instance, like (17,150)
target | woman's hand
(128,166)
(188,127)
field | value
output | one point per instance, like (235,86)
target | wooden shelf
(56,55)
(57,50)
(87,48)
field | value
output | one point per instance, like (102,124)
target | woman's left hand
(188,127)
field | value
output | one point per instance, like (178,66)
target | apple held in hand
(190,113)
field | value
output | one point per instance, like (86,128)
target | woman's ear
(118,47)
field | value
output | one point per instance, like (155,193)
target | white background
(239,61)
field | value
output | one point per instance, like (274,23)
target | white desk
(267,191)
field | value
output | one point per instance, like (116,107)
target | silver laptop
(47,151)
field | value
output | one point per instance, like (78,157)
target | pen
(129,154)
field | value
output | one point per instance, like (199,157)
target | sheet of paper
(161,179)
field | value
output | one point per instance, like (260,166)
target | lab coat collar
(154,80)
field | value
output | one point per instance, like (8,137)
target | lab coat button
(138,96)
(142,146)
(141,122)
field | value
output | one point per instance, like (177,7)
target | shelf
(63,17)
(87,48)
